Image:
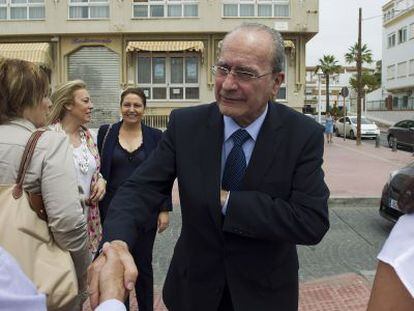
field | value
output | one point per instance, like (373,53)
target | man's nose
(230,81)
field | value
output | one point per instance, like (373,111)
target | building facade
(166,47)
(398,54)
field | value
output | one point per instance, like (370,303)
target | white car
(368,128)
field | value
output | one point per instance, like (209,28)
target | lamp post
(366,88)
(319,73)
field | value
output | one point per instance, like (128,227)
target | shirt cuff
(224,209)
(111,305)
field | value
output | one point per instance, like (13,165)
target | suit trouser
(142,253)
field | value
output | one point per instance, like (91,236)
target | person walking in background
(251,187)
(71,111)
(24,104)
(123,147)
(329,121)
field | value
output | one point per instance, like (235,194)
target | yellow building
(166,47)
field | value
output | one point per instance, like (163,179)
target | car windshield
(363,121)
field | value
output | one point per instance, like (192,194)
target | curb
(352,201)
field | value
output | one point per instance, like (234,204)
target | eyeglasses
(240,75)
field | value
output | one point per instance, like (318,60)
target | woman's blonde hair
(63,96)
(22,85)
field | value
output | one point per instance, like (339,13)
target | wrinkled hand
(111,277)
(163,221)
(130,272)
(98,190)
(406,201)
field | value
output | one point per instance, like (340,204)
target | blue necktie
(235,166)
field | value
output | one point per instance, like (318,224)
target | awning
(38,53)
(165,46)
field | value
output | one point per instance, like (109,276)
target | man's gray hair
(278,58)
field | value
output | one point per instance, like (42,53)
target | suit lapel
(268,142)
(211,142)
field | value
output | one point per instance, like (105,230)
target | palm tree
(366,54)
(329,65)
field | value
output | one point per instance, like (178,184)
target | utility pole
(359,78)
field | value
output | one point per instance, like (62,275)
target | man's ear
(277,82)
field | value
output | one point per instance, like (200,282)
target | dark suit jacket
(150,138)
(253,249)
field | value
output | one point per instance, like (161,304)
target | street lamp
(366,88)
(319,73)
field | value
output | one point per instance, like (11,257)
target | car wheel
(390,140)
(337,133)
(351,134)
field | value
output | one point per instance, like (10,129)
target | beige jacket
(51,170)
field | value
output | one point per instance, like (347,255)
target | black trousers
(226,304)
(142,253)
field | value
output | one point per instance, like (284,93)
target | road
(351,245)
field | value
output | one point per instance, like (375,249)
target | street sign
(344,91)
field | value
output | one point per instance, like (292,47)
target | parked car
(403,132)
(392,190)
(368,128)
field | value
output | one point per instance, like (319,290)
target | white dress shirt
(230,126)
(17,292)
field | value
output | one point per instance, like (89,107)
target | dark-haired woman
(123,146)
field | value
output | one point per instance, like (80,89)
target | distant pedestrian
(329,127)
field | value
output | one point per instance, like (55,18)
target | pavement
(355,176)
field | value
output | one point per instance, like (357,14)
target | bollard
(377,141)
(394,144)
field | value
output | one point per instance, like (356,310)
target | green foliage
(372,80)
(366,54)
(329,65)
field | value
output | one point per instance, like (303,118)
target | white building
(398,54)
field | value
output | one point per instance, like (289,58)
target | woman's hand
(163,221)
(98,190)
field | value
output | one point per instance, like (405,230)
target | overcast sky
(338,28)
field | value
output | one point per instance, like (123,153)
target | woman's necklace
(83,160)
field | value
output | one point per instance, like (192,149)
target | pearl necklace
(83,160)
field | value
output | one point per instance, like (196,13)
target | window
(256,8)
(390,72)
(22,9)
(169,77)
(88,9)
(411,31)
(402,70)
(165,8)
(411,68)
(391,40)
(402,35)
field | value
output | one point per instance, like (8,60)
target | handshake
(112,274)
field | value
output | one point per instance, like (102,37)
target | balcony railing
(157,121)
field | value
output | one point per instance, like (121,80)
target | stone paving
(337,274)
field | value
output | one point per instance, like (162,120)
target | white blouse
(398,251)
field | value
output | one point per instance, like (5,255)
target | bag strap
(24,164)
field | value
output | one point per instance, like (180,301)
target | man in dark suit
(250,182)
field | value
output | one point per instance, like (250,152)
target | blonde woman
(71,111)
(24,104)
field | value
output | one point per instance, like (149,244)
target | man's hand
(111,277)
(163,221)
(130,271)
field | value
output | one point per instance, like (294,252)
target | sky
(338,29)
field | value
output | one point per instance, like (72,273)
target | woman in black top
(123,146)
